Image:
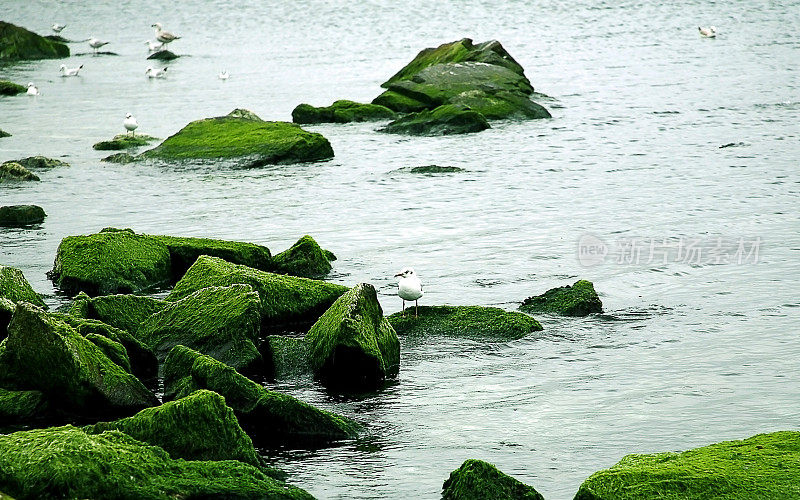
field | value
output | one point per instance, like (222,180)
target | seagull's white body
(710,32)
(162,36)
(409,287)
(65,71)
(96,43)
(154,46)
(130,123)
(156,73)
(32,90)
(57,27)
(223,75)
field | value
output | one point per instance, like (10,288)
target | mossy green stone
(479,480)
(124,141)
(17,43)
(579,299)
(485,323)
(305,258)
(67,462)
(21,215)
(502,105)
(444,120)
(126,312)
(112,349)
(184,251)
(12,171)
(285,357)
(6,312)
(41,163)
(11,88)
(761,467)
(119,158)
(14,287)
(18,407)
(341,111)
(399,102)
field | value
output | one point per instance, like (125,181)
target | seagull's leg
(416,308)
(404,307)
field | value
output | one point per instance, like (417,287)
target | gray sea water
(700,275)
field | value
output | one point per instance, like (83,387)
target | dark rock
(21,215)
(444,120)
(341,112)
(11,171)
(120,158)
(17,43)
(124,141)
(20,407)
(579,299)
(3,133)
(41,163)
(163,55)
(479,480)
(430,169)
(11,88)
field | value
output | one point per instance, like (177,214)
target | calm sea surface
(700,277)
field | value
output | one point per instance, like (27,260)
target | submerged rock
(269,416)
(285,357)
(305,258)
(444,120)
(579,299)
(479,480)
(11,88)
(430,169)
(17,43)
(14,287)
(119,158)
(21,215)
(247,141)
(12,171)
(41,163)
(487,323)
(342,111)
(67,462)
(124,141)
(3,133)
(163,55)
(763,466)
(352,346)
(18,407)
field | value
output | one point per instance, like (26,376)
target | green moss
(269,416)
(20,406)
(41,163)
(113,350)
(17,43)
(352,346)
(119,158)
(502,105)
(126,312)
(284,299)
(485,323)
(342,111)
(184,251)
(21,215)
(197,427)
(444,120)
(286,357)
(763,466)
(252,142)
(579,299)
(66,462)
(124,141)
(479,480)
(14,287)
(400,103)
(11,88)
(305,258)
(11,171)
(6,312)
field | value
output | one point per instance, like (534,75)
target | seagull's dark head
(405,273)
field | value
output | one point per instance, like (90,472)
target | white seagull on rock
(162,36)
(130,123)
(154,46)
(710,32)
(32,90)
(58,27)
(156,73)
(96,43)
(409,287)
(65,71)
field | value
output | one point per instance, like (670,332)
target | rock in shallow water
(444,120)
(305,258)
(479,480)
(485,323)
(11,88)
(17,43)
(124,141)
(21,215)
(580,299)
(342,111)
(3,133)
(41,163)
(14,287)
(163,55)
(12,171)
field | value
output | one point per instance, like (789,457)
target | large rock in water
(184,251)
(14,287)
(285,300)
(12,171)
(763,466)
(11,88)
(67,462)
(126,312)
(244,139)
(269,416)
(342,111)
(305,258)
(17,43)
(124,141)
(21,215)
(444,120)
(41,163)
(352,346)
(3,133)
(486,323)
(479,480)
(579,299)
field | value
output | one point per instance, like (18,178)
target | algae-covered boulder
(41,163)
(305,258)
(444,120)
(119,158)
(17,43)
(7,308)
(124,141)
(184,251)
(197,427)
(243,140)
(14,287)
(115,351)
(223,322)
(479,480)
(579,299)
(21,215)
(285,357)
(352,346)
(12,171)
(342,111)
(475,322)
(269,416)
(20,406)
(44,353)
(67,462)
(763,466)
(11,88)
(285,300)
(126,312)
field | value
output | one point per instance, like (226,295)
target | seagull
(130,123)
(223,75)
(96,43)
(710,32)
(409,288)
(32,90)
(162,36)
(65,71)
(155,73)
(154,46)
(58,27)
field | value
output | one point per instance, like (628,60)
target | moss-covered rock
(126,312)
(342,111)
(243,140)
(67,462)
(124,141)
(223,322)
(197,427)
(285,300)
(17,43)
(20,406)
(184,251)
(163,55)
(285,357)
(11,88)
(579,299)
(763,466)
(430,170)
(12,171)
(6,312)
(119,158)
(44,353)
(41,163)
(270,417)
(352,346)
(115,351)
(444,120)
(476,322)
(305,258)
(501,105)
(479,480)
(400,103)
(14,287)
(21,215)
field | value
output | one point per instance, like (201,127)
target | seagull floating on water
(409,287)
(58,27)
(162,36)
(32,90)
(155,73)
(96,43)
(65,71)
(130,123)
(223,75)
(154,46)
(710,32)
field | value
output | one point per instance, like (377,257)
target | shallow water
(690,352)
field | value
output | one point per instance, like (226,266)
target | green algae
(112,349)
(41,163)
(21,215)
(124,141)
(443,120)
(761,467)
(184,251)
(12,171)
(6,312)
(484,323)
(17,43)
(342,111)
(14,287)
(479,480)
(400,102)
(502,105)
(20,406)
(123,311)
(580,299)
(305,258)
(285,357)
(11,88)
(119,158)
